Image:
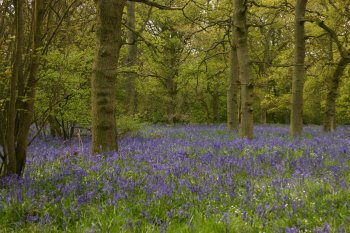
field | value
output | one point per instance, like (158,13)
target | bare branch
(59,25)
(147,19)
(152,47)
(211,56)
(318,36)
(159,6)
(279,6)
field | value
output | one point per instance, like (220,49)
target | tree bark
(26,115)
(329,123)
(131,61)
(21,106)
(232,90)
(296,123)
(17,73)
(170,63)
(103,82)
(241,34)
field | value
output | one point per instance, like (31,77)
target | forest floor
(192,178)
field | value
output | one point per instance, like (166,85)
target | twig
(57,27)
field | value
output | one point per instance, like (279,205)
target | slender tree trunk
(264,68)
(172,93)
(26,116)
(329,123)
(205,106)
(263,116)
(296,123)
(215,105)
(232,90)
(2,143)
(103,83)
(131,61)
(17,73)
(55,129)
(241,34)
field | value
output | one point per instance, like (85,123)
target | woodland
(174,116)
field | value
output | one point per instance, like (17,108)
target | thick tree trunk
(329,123)
(17,73)
(131,61)
(103,83)
(241,34)
(232,90)
(296,121)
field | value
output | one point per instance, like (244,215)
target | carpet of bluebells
(191,178)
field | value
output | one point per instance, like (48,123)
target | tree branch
(153,47)
(343,52)
(145,24)
(279,6)
(46,47)
(159,6)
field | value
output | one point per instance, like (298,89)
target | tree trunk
(172,94)
(17,73)
(263,116)
(241,34)
(55,129)
(329,123)
(131,61)
(103,82)
(232,90)
(215,105)
(26,115)
(2,144)
(296,123)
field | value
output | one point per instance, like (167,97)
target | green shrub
(128,125)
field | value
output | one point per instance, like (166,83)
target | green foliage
(128,125)
(193,53)
(64,87)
